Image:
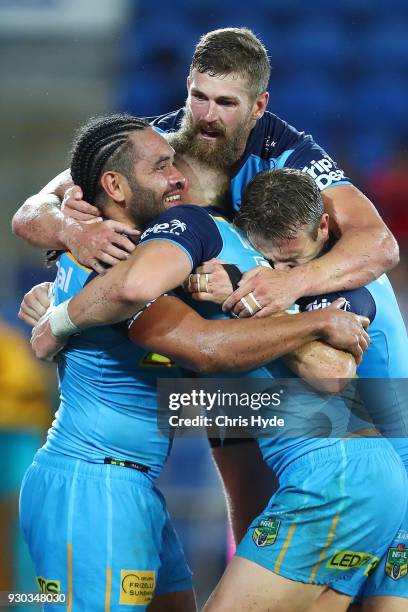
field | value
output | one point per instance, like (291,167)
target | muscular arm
(39,221)
(152,269)
(325,368)
(366,248)
(172,328)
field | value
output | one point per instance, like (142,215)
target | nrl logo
(396,566)
(266,532)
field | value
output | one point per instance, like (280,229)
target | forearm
(40,222)
(151,270)
(325,368)
(225,345)
(360,257)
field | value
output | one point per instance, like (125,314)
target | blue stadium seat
(317,44)
(306,100)
(383,47)
(380,102)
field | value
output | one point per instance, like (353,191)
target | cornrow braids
(99,143)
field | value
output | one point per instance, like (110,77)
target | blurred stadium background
(339,72)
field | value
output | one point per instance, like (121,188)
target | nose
(212,113)
(177,180)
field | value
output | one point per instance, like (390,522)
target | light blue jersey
(341,532)
(108,391)
(96,526)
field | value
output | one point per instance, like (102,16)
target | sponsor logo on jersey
(324,171)
(174,227)
(324,303)
(396,565)
(351,559)
(48,586)
(136,587)
(266,532)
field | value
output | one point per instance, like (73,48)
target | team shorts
(332,519)
(99,533)
(390,577)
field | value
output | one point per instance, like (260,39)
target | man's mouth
(210,134)
(172,199)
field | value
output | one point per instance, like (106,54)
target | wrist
(60,321)
(69,230)
(301,280)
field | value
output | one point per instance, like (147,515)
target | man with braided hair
(95,525)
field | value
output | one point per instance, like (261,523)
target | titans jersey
(385,358)
(202,235)
(272,144)
(108,390)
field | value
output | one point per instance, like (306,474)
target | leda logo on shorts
(48,586)
(396,566)
(266,532)
(136,587)
(350,559)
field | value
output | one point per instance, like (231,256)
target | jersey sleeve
(311,158)
(359,301)
(189,227)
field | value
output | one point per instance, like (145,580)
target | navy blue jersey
(272,144)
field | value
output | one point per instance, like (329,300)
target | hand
(35,304)
(75,207)
(273,290)
(346,331)
(94,244)
(44,344)
(209,282)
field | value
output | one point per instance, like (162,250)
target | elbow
(388,253)
(393,253)
(18,226)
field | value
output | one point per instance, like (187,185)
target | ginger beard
(223,152)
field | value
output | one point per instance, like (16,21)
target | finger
(122,228)
(99,268)
(339,303)
(238,308)
(234,298)
(32,312)
(109,260)
(115,252)
(358,354)
(207,268)
(365,322)
(42,298)
(250,274)
(202,296)
(80,206)
(27,318)
(123,243)
(80,217)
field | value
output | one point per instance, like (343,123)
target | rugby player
(281,585)
(283,215)
(225,136)
(89,495)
